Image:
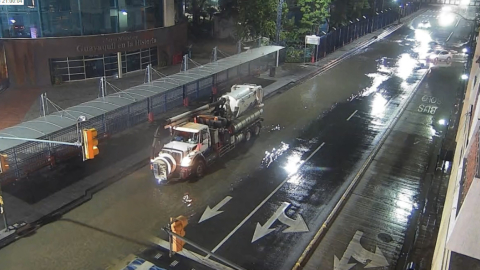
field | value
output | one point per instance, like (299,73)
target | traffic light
(178,225)
(90,143)
(3,163)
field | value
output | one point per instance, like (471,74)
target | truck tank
(245,120)
(243,97)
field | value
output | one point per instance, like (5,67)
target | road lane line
(448,38)
(262,203)
(352,115)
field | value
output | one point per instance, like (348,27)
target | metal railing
(344,35)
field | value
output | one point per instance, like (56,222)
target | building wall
(465,141)
(28,59)
(471,162)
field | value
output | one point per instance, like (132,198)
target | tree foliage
(314,13)
(196,7)
(345,10)
(257,18)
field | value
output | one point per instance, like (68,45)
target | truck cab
(187,149)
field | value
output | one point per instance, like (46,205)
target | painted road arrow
(297,225)
(294,226)
(211,212)
(360,254)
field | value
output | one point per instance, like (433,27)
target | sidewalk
(48,194)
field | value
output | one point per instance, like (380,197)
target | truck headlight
(186,161)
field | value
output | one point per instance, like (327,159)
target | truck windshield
(183,136)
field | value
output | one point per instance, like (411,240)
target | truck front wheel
(199,168)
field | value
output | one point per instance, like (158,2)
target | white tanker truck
(201,136)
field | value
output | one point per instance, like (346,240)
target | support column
(168,13)
(119,64)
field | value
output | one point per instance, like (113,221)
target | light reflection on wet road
(296,123)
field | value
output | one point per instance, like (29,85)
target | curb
(88,194)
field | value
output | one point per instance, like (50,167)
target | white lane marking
(448,38)
(360,254)
(352,115)
(261,204)
(211,212)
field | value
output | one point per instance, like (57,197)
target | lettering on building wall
(118,43)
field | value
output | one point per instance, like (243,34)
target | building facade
(52,41)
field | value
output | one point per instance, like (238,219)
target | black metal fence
(342,36)
(32,156)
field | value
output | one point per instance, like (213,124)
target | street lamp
(464,76)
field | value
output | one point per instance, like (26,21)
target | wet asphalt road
(119,219)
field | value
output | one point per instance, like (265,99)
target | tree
(196,7)
(345,10)
(258,18)
(228,8)
(314,13)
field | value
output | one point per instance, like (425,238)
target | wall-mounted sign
(315,40)
(118,43)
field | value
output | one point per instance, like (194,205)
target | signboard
(315,40)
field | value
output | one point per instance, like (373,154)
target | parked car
(441,55)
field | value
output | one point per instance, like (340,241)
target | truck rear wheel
(256,129)
(199,168)
(248,135)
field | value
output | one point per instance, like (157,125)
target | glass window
(61,24)
(131,19)
(58,5)
(77,77)
(84,67)
(94,68)
(111,67)
(61,64)
(20,24)
(154,14)
(96,17)
(75,63)
(133,62)
(55,18)
(76,70)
